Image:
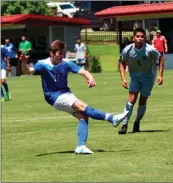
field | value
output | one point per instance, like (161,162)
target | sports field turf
(38,141)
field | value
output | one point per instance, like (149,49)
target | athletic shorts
(142,84)
(13,61)
(3,74)
(64,102)
(161,53)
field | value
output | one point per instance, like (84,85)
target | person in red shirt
(160,43)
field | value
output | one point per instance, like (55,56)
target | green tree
(25,7)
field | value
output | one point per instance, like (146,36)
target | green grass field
(38,141)
(108,55)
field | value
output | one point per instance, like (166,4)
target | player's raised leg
(115,120)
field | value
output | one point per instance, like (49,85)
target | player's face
(139,38)
(58,56)
(7,41)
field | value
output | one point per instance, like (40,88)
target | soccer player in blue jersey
(54,72)
(142,60)
(11,55)
(3,76)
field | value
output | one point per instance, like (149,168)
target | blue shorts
(142,84)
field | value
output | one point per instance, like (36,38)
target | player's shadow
(72,152)
(151,131)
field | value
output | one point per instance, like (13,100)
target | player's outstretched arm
(26,70)
(123,74)
(89,78)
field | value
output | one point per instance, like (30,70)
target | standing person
(11,55)
(160,43)
(141,59)
(26,48)
(54,73)
(3,76)
(81,52)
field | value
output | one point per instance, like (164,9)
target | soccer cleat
(118,118)
(136,127)
(8,96)
(83,150)
(123,130)
(2,99)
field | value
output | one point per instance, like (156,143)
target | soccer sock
(2,92)
(128,107)
(98,114)
(5,86)
(82,132)
(140,113)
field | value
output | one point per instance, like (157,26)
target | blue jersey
(142,61)
(54,77)
(3,62)
(10,50)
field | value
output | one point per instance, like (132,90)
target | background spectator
(81,54)
(160,43)
(11,55)
(26,48)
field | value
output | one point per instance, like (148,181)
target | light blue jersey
(54,77)
(3,62)
(142,66)
(142,61)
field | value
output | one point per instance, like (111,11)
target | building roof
(41,20)
(143,10)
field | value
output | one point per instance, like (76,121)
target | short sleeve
(29,44)
(155,54)
(39,68)
(85,47)
(75,48)
(164,39)
(124,55)
(20,46)
(73,67)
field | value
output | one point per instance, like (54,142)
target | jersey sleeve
(75,48)
(164,39)
(39,68)
(85,48)
(73,67)
(155,54)
(124,55)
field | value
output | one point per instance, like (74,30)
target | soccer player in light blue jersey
(54,72)
(142,60)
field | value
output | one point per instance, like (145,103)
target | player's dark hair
(57,45)
(138,30)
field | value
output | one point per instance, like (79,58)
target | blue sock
(82,132)
(2,92)
(140,113)
(128,107)
(98,114)
(5,86)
